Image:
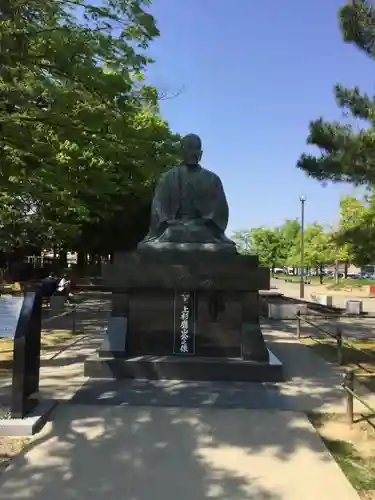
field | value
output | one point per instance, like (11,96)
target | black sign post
(184,323)
(26,356)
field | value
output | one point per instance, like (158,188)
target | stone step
(184,367)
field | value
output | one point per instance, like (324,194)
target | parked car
(278,270)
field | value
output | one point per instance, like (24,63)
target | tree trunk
(63,258)
(321,274)
(81,261)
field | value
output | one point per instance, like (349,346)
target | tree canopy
(347,154)
(281,246)
(81,136)
(357,228)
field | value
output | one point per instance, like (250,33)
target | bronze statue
(189,208)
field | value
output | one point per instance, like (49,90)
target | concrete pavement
(143,453)
(312,385)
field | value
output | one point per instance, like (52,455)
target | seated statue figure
(189,209)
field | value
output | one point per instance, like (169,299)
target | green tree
(346,154)
(319,249)
(265,242)
(288,233)
(79,130)
(356,233)
(272,245)
(281,246)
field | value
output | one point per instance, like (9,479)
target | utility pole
(302,199)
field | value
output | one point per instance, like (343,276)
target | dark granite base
(184,368)
(185,271)
(153,323)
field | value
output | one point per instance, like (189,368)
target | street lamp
(302,199)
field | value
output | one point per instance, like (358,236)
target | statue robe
(189,194)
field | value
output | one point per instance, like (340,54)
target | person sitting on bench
(63,287)
(48,286)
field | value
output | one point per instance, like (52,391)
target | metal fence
(349,387)
(341,342)
(349,381)
(71,311)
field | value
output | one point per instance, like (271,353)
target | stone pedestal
(196,305)
(354,307)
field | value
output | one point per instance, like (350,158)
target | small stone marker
(324,300)
(354,307)
(114,342)
(285,311)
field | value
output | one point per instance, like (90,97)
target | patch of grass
(345,443)
(343,284)
(50,338)
(359,471)
(11,287)
(362,363)
(349,284)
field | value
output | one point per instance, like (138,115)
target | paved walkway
(142,453)
(174,440)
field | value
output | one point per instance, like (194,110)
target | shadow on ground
(170,453)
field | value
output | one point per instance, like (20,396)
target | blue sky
(253,73)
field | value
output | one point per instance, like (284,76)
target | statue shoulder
(211,175)
(169,173)
(167,176)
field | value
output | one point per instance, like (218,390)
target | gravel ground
(9,447)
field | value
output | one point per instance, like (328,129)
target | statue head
(191,149)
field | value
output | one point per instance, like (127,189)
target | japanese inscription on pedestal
(184,341)
(184,323)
